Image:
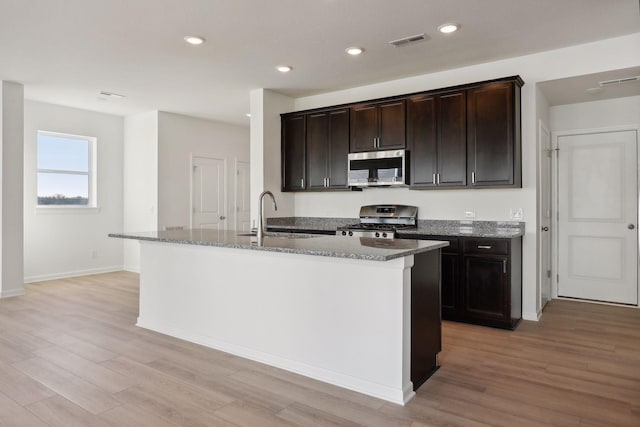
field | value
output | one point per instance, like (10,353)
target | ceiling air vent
(619,81)
(408,40)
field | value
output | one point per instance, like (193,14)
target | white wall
(73,241)
(11,171)
(180,137)
(596,114)
(140,181)
(490,204)
(266,107)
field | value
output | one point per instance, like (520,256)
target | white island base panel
(341,321)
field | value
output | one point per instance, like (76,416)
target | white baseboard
(531,316)
(132,268)
(12,293)
(67,274)
(400,397)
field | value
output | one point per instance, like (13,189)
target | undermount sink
(280,235)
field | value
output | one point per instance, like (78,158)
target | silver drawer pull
(484,247)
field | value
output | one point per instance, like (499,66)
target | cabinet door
(491,137)
(391,132)
(449,283)
(452,140)
(293,142)
(338,148)
(421,140)
(317,150)
(486,288)
(364,127)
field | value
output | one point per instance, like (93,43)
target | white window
(66,170)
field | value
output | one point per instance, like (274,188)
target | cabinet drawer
(486,246)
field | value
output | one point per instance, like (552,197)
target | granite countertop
(488,229)
(328,246)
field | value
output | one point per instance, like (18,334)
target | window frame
(92,190)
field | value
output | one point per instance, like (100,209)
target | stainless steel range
(381,221)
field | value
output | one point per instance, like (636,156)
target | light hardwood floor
(70,355)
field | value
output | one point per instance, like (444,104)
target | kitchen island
(347,311)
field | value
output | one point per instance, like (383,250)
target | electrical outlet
(516,213)
(470,214)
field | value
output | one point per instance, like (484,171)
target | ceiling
(573,90)
(67,51)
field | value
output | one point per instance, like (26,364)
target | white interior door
(545,214)
(208,193)
(598,208)
(243,204)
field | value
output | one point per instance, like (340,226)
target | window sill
(66,210)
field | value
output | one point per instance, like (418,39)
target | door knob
(631,226)
(223,217)
(545,228)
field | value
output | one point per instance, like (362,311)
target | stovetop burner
(381,221)
(377,227)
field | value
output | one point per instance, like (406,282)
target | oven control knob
(384,234)
(377,234)
(344,233)
(351,233)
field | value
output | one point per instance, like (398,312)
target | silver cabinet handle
(438,176)
(473,177)
(328,181)
(484,247)
(302,182)
(504,266)
(375,145)
(435,181)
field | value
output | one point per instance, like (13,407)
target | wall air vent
(619,81)
(408,40)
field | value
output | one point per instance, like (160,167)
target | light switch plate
(516,213)
(470,214)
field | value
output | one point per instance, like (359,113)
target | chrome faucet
(261,221)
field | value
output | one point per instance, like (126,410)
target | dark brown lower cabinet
(426,335)
(481,280)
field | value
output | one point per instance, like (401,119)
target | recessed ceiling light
(194,40)
(448,28)
(248,114)
(354,50)
(284,68)
(111,94)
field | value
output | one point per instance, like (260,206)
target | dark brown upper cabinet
(466,136)
(493,134)
(436,138)
(378,126)
(327,149)
(293,152)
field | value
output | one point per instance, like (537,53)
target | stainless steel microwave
(378,168)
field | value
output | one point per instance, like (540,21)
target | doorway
(546,197)
(208,193)
(242,196)
(597,199)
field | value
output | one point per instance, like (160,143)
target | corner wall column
(266,107)
(11,189)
